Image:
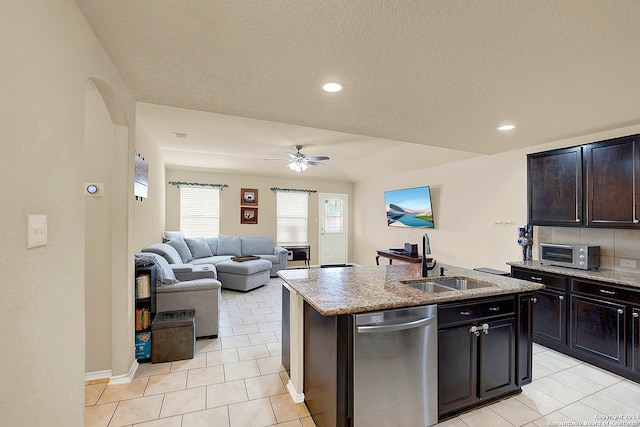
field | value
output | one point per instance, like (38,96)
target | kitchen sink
(444,285)
(428,286)
(462,284)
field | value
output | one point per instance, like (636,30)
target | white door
(333,228)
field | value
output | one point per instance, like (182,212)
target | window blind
(292,218)
(200,211)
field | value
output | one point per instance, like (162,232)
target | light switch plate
(36,231)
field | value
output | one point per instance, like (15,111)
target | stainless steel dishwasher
(395,367)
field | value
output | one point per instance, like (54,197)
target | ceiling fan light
(303,166)
(292,166)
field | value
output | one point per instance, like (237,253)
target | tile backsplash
(616,245)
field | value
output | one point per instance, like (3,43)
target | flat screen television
(410,207)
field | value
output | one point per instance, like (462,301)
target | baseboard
(297,397)
(125,378)
(97,375)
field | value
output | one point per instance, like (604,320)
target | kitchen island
(475,365)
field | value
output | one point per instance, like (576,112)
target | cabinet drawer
(608,291)
(548,279)
(464,313)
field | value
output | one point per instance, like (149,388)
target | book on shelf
(143,319)
(143,286)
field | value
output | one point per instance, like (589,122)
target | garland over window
(293,190)
(197,184)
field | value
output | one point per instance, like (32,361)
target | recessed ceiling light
(332,87)
(181,135)
(506,127)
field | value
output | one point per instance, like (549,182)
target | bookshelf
(145,310)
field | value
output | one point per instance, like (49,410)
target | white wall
(149,213)
(48,51)
(230,201)
(468,198)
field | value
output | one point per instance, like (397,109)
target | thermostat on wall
(93,189)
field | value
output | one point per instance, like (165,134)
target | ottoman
(244,276)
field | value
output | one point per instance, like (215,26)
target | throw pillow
(213,244)
(170,235)
(229,245)
(182,249)
(198,247)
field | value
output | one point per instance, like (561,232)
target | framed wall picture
(249,196)
(248,215)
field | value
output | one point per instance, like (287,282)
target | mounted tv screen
(410,207)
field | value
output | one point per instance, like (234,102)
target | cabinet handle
(620,311)
(537,279)
(561,297)
(465,313)
(604,291)
(474,330)
(635,221)
(635,315)
(494,308)
(485,328)
(535,300)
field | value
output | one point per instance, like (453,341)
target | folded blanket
(244,258)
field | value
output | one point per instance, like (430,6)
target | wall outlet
(627,263)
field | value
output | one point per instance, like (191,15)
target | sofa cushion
(182,248)
(170,235)
(257,245)
(213,244)
(167,251)
(211,260)
(198,247)
(229,245)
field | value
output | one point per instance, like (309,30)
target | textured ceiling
(428,79)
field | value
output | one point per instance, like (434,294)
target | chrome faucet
(426,250)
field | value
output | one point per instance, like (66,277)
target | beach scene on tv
(410,207)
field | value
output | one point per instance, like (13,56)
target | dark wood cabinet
(598,328)
(458,369)
(476,353)
(549,308)
(612,170)
(524,317)
(554,187)
(596,322)
(635,340)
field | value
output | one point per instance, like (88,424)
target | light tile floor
(237,380)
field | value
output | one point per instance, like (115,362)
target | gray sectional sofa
(218,254)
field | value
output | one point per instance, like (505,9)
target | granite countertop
(334,291)
(619,277)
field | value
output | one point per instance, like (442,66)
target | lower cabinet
(635,340)
(477,353)
(598,328)
(593,321)
(549,308)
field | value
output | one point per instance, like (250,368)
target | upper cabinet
(555,187)
(594,185)
(613,182)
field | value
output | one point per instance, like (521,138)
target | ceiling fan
(298,162)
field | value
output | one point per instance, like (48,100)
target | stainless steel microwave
(573,256)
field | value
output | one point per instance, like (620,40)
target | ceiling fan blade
(275,158)
(318,158)
(294,156)
(313,163)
